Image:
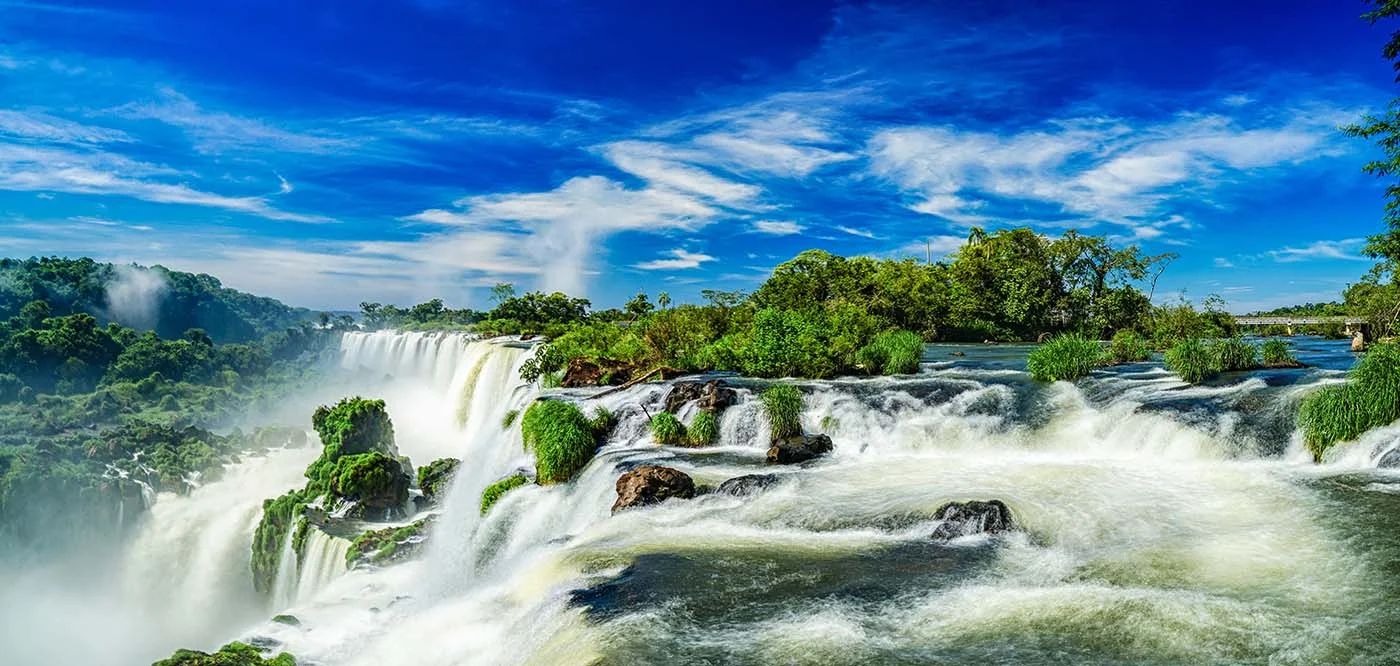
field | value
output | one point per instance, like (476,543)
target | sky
(328,152)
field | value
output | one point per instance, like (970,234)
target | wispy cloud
(1222,262)
(680,260)
(863,233)
(777,227)
(216,132)
(1345,249)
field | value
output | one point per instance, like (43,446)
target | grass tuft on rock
(561,437)
(668,430)
(782,403)
(704,429)
(1276,355)
(509,419)
(1129,346)
(498,489)
(602,423)
(892,353)
(1191,360)
(1065,358)
(1234,354)
(1369,399)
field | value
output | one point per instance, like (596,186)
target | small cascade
(284,588)
(322,562)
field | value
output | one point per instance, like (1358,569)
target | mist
(134,296)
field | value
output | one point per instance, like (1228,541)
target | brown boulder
(799,448)
(652,484)
(583,372)
(714,396)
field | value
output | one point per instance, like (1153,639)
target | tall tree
(1385,131)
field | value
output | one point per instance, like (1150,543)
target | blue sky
(336,151)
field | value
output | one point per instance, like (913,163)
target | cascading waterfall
(323,562)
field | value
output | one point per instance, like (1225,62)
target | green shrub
(1191,361)
(561,438)
(667,429)
(892,353)
(494,491)
(602,423)
(1232,354)
(787,343)
(1276,353)
(509,419)
(1065,358)
(1129,346)
(233,654)
(436,476)
(783,405)
(704,429)
(1369,399)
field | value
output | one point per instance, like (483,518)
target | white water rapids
(1161,524)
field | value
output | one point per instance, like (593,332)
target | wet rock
(652,484)
(583,372)
(1358,342)
(713,396)
(1390,460)
(749,484)
(800,448)
(975,517)
(289,620)
(434,479)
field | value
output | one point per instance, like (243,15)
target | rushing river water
(1161,524)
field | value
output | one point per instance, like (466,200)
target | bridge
(1351,325)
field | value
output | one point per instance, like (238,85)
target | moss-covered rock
(375,482)
(289,620)
(562,438)
(233,654)
(389,545)
(354,426)
(494,491)
(434,479)
(276,524)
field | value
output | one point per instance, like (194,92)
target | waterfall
(323,562)
(285,586)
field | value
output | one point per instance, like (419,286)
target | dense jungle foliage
(89,406)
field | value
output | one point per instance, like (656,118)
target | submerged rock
(749,484)
(652,484)
(800,448)
(974,517)
(713,396)
(1390,460)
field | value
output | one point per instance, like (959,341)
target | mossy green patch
(389,545)
(498,489)
(273,529)
(233,654)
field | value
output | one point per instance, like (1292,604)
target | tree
(502,292)
(663,300)
(639,306)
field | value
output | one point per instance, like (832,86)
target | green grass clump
(1065,358)
(668,430)
(892,353)
(1369,399)
(1191,360)
(783,405)
(494,491)
(509,419)
(602,423)
(561,437)
(1232,354)
(1129,346)
(704,429)
(1275,353)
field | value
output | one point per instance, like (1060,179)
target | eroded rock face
(975,517)
(434,479)
(801,448)
(713,396)
(749,484)
(652,484)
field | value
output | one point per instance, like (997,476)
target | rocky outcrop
(583,372)
(713,396)
(749,484)
(389,545)
(799,448)
(974,517)
(652,484)
(233,654)
(376,483)
(434,479)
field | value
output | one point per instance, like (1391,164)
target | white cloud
(216,132)
(283,187)
(44,127)
(1340,249)
(776,227)
(856,232)
(1222,262)
(663,166)
(680,260)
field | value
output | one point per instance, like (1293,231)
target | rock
(389,545)
(798,449)
(1358,342)
(957,353)
(975,517)
(749,484)
(376,483)
(583,372)
(434,479)
(289,620)
(714,396)
(1391,459)
(652,484)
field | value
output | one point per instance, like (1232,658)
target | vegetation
(1191,360)
(509,419)
(668,430)
(782,403)
(273,530)
(1233,354)
(494,491)
(389,545)
(1129,346)
(436,476)
(892,353)
(1276,354)
(233,654)
(1064,358)
(704,429)
(561,437)
(1369,399)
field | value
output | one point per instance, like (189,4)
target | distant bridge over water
(1350,325)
